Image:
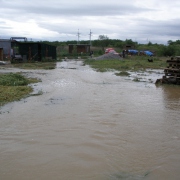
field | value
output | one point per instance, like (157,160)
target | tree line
(171,49)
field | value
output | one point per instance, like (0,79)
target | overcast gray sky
(140,20)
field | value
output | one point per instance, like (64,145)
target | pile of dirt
(108,56)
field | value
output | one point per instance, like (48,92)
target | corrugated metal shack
(79,48)
(30,51)
(5,46)
(37,51)
(1,54)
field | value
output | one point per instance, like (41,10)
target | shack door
(39,52)
(1,54)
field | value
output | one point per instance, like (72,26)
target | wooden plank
(172,70)
(173,61)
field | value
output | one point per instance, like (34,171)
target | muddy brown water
(89,125)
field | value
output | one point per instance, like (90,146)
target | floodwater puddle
(91,125)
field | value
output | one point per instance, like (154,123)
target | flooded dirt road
(91,126)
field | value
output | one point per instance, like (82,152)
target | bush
(169,50)
(100,52)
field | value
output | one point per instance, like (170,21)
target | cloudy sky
(156,21)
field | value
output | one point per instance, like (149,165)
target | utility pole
(78,35)
(90,34)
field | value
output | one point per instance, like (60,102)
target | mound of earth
(108,56)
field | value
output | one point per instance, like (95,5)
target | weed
(122,73)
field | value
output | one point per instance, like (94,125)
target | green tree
(129,42)
(170,42)
(168,50)
(149,43)
(104,41)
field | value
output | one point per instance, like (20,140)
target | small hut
(35,51)
(1,54)
(79,48)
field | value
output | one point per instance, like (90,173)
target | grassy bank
(133,63)
(14,86)
(34,65)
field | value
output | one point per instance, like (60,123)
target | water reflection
(171,96)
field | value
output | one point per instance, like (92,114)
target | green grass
(122,73)
(13,86)
(130,63)
(13,79)
(13,93)
(36,65)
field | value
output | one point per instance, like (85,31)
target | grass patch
(13,86)
(133,63)
(122,73)
(13,79)
(13,93)
(33,80)
(36,65)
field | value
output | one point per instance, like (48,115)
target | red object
(108,50)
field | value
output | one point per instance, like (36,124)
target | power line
(90,34)
(78,35)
